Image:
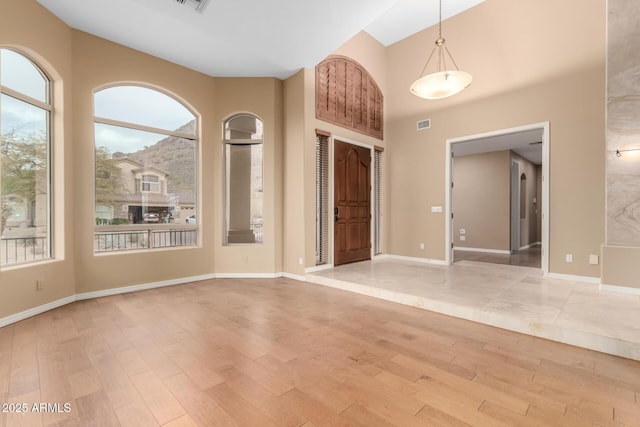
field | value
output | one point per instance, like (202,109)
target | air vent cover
(423,124)
(197,5)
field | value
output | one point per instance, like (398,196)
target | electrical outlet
(463,231)
(421,245)
(463,238)
(594,259)
(39,285)
(568,258)
(300,261)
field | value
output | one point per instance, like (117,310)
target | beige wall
(98,63)
(481,196)
(565,88)
(50,47)
(482,201)
(263,98)
(295,240)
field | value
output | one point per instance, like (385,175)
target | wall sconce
(619,152)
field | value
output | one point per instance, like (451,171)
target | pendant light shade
(445,80)
(441,85)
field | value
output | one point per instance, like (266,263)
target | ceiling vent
(197,5)
(423,124)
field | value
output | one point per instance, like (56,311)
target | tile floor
(530,257)
(506,296)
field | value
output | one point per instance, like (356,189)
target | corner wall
(50,48)
(621,252)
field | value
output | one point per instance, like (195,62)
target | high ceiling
(249,38)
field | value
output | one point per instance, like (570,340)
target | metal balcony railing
(126,238)
(18,250)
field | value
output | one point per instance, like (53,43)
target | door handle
(336,218)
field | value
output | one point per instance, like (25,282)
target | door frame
(331,245)
(514,208)
(544,126)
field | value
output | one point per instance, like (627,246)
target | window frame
(154,234)
(48,107)
(227,143)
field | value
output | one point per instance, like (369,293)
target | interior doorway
(352,203)
(516,199)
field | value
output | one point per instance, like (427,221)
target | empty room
(309,213)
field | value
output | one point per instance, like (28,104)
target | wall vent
(423,124)
(197,5)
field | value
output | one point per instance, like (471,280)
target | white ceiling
(249,38)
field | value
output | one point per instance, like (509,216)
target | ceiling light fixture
(443,82)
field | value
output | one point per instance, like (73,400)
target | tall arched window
(243,179)
(25,169)
(145,169)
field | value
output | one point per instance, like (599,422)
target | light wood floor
(285,353)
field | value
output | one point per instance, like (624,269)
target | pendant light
(444,81)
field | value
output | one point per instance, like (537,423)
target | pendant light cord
(440,21)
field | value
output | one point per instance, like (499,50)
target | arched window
(243,179)
(25,123)
(145,168)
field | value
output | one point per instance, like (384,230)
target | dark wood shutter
(348,96)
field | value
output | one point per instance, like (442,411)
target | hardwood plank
(241,410)
(271,379)
(357,414)
(96,410)
(85,382)
(162,404)
(508,401)
(116,383)
(24,416)
(533,393)
(24,376)
(183,421)
(132,362)
(436,418)
(310,409)
(136,414)
(204,410)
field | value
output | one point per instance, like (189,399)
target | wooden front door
(352,204)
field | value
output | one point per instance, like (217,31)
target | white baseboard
(530,245)
(142,287)
(571,277)
(412,259)
(247,275)
(294,277)
(620,289)
(489,251)
(318,268)
(135,288)
(36,310)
